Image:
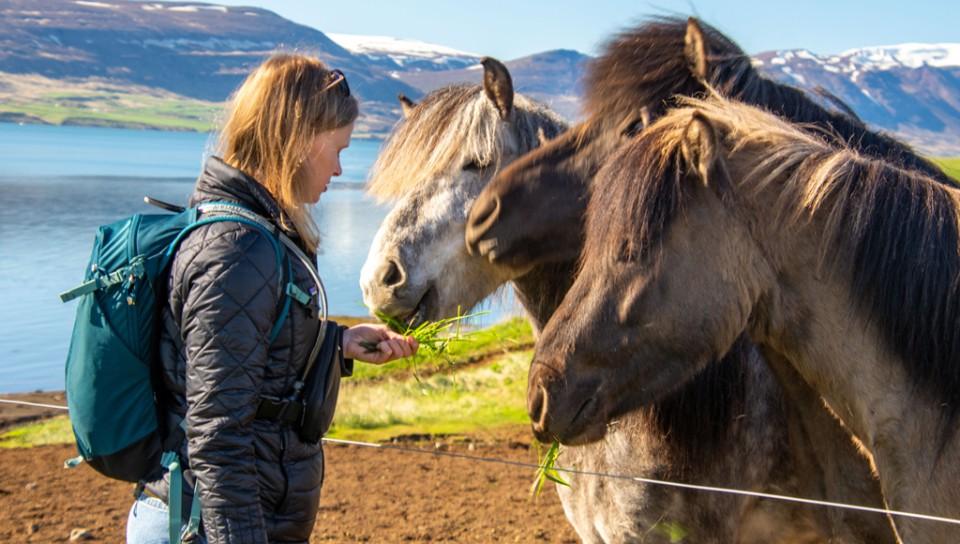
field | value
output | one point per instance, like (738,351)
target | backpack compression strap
(171,461)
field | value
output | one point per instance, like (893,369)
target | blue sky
(513,28)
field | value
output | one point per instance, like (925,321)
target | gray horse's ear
(701,149)
(498,85)
(695,49)
(406,105)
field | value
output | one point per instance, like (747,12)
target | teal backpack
(113,349)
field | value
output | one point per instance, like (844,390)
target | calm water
(58,184)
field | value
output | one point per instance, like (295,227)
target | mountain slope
(910,89)
(397,54)
(200,52)
(196,50)
(552,77)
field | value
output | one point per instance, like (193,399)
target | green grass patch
(417,396)
(950,165)
(473,399)
(55,430)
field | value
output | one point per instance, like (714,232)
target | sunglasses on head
(338,81)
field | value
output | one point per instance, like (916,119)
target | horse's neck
(807,317)
(541,290)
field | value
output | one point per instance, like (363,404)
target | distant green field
(478,384)
(113,109)
(35,99)
(951,165)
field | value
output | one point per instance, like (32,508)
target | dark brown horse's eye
(632,129)
(473,166)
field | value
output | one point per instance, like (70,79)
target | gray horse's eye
(473,166)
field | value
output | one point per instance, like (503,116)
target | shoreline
(15,415)
(11,118)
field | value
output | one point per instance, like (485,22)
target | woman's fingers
(387,350)
(398,348)
(405,347)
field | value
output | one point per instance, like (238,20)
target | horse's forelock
(635,195)
(451,128)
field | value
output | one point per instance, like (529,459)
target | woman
(256,480)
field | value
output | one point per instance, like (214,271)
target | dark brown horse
(721,218)
(534,209)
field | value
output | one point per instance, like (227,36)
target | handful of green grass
(433,336)
(547,469)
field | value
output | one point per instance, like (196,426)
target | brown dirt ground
(370,495)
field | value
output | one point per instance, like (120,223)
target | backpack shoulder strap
(291,290)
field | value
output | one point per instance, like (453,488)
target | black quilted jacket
(257,481)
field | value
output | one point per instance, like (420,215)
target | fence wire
(648,481)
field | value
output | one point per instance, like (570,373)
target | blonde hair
(271,121)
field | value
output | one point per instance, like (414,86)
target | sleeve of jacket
(230,303)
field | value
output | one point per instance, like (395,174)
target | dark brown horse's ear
(635,125)
(645,116)
(701,149)
(406,105)
(542,136)
(695,49)
(498,85)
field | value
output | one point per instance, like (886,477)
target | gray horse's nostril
(392,275)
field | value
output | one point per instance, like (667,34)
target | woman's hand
(390,345)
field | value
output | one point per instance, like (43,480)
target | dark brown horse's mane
(894,231)
(648,66)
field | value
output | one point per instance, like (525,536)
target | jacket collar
(220,182)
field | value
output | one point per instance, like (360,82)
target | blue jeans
(149,522)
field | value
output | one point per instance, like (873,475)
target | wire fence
(638,479)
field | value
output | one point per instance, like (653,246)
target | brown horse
(728,428)
(721,218)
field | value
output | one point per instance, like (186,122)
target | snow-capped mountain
(193,49)
(404,54)
(203,51)
(910,89)
(871,59)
